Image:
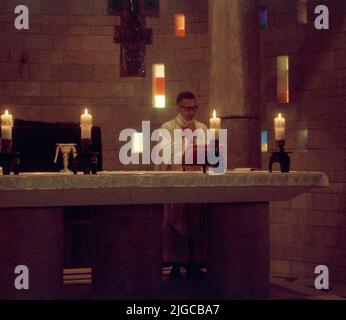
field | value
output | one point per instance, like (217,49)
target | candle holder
(9,160)
(86,159)
(280,157)
(85,145)
(6,145)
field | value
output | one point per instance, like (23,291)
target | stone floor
(77,285)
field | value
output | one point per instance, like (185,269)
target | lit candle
(215,124)
(279,126)
(86,124)
(6,126)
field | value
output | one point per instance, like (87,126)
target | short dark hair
(185,95)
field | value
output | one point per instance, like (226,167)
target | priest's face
(188,108)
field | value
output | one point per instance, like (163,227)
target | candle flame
(86,111)
(279,115)
(6,112)
(214,114)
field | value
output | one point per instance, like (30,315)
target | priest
(184,224)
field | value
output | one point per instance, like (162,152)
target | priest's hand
(191,126)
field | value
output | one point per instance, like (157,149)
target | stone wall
(73,63)
(311,229)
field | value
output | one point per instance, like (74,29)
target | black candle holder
(85,145)
(86,159)
(9,160)
(6,145)
(280,157)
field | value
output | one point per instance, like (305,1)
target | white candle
(279,126)
(6,125)
(86,120)
(215,124)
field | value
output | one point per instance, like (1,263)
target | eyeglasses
(194,108)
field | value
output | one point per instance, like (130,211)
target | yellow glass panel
(282,67)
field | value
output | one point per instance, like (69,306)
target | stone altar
(127,228)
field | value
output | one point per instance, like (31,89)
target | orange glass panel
(302,12)
(180,25)
(160,86)
(159,99)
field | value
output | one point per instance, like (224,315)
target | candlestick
(279,126)
(6,126)
(215,124)
(86,124)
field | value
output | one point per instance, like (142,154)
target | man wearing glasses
(184,224)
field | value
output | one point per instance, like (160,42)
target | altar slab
(150,187)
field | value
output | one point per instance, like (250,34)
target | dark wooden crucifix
(132,34)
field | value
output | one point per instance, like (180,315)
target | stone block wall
(311,229)
(74,63)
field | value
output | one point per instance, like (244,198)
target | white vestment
(184,224)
